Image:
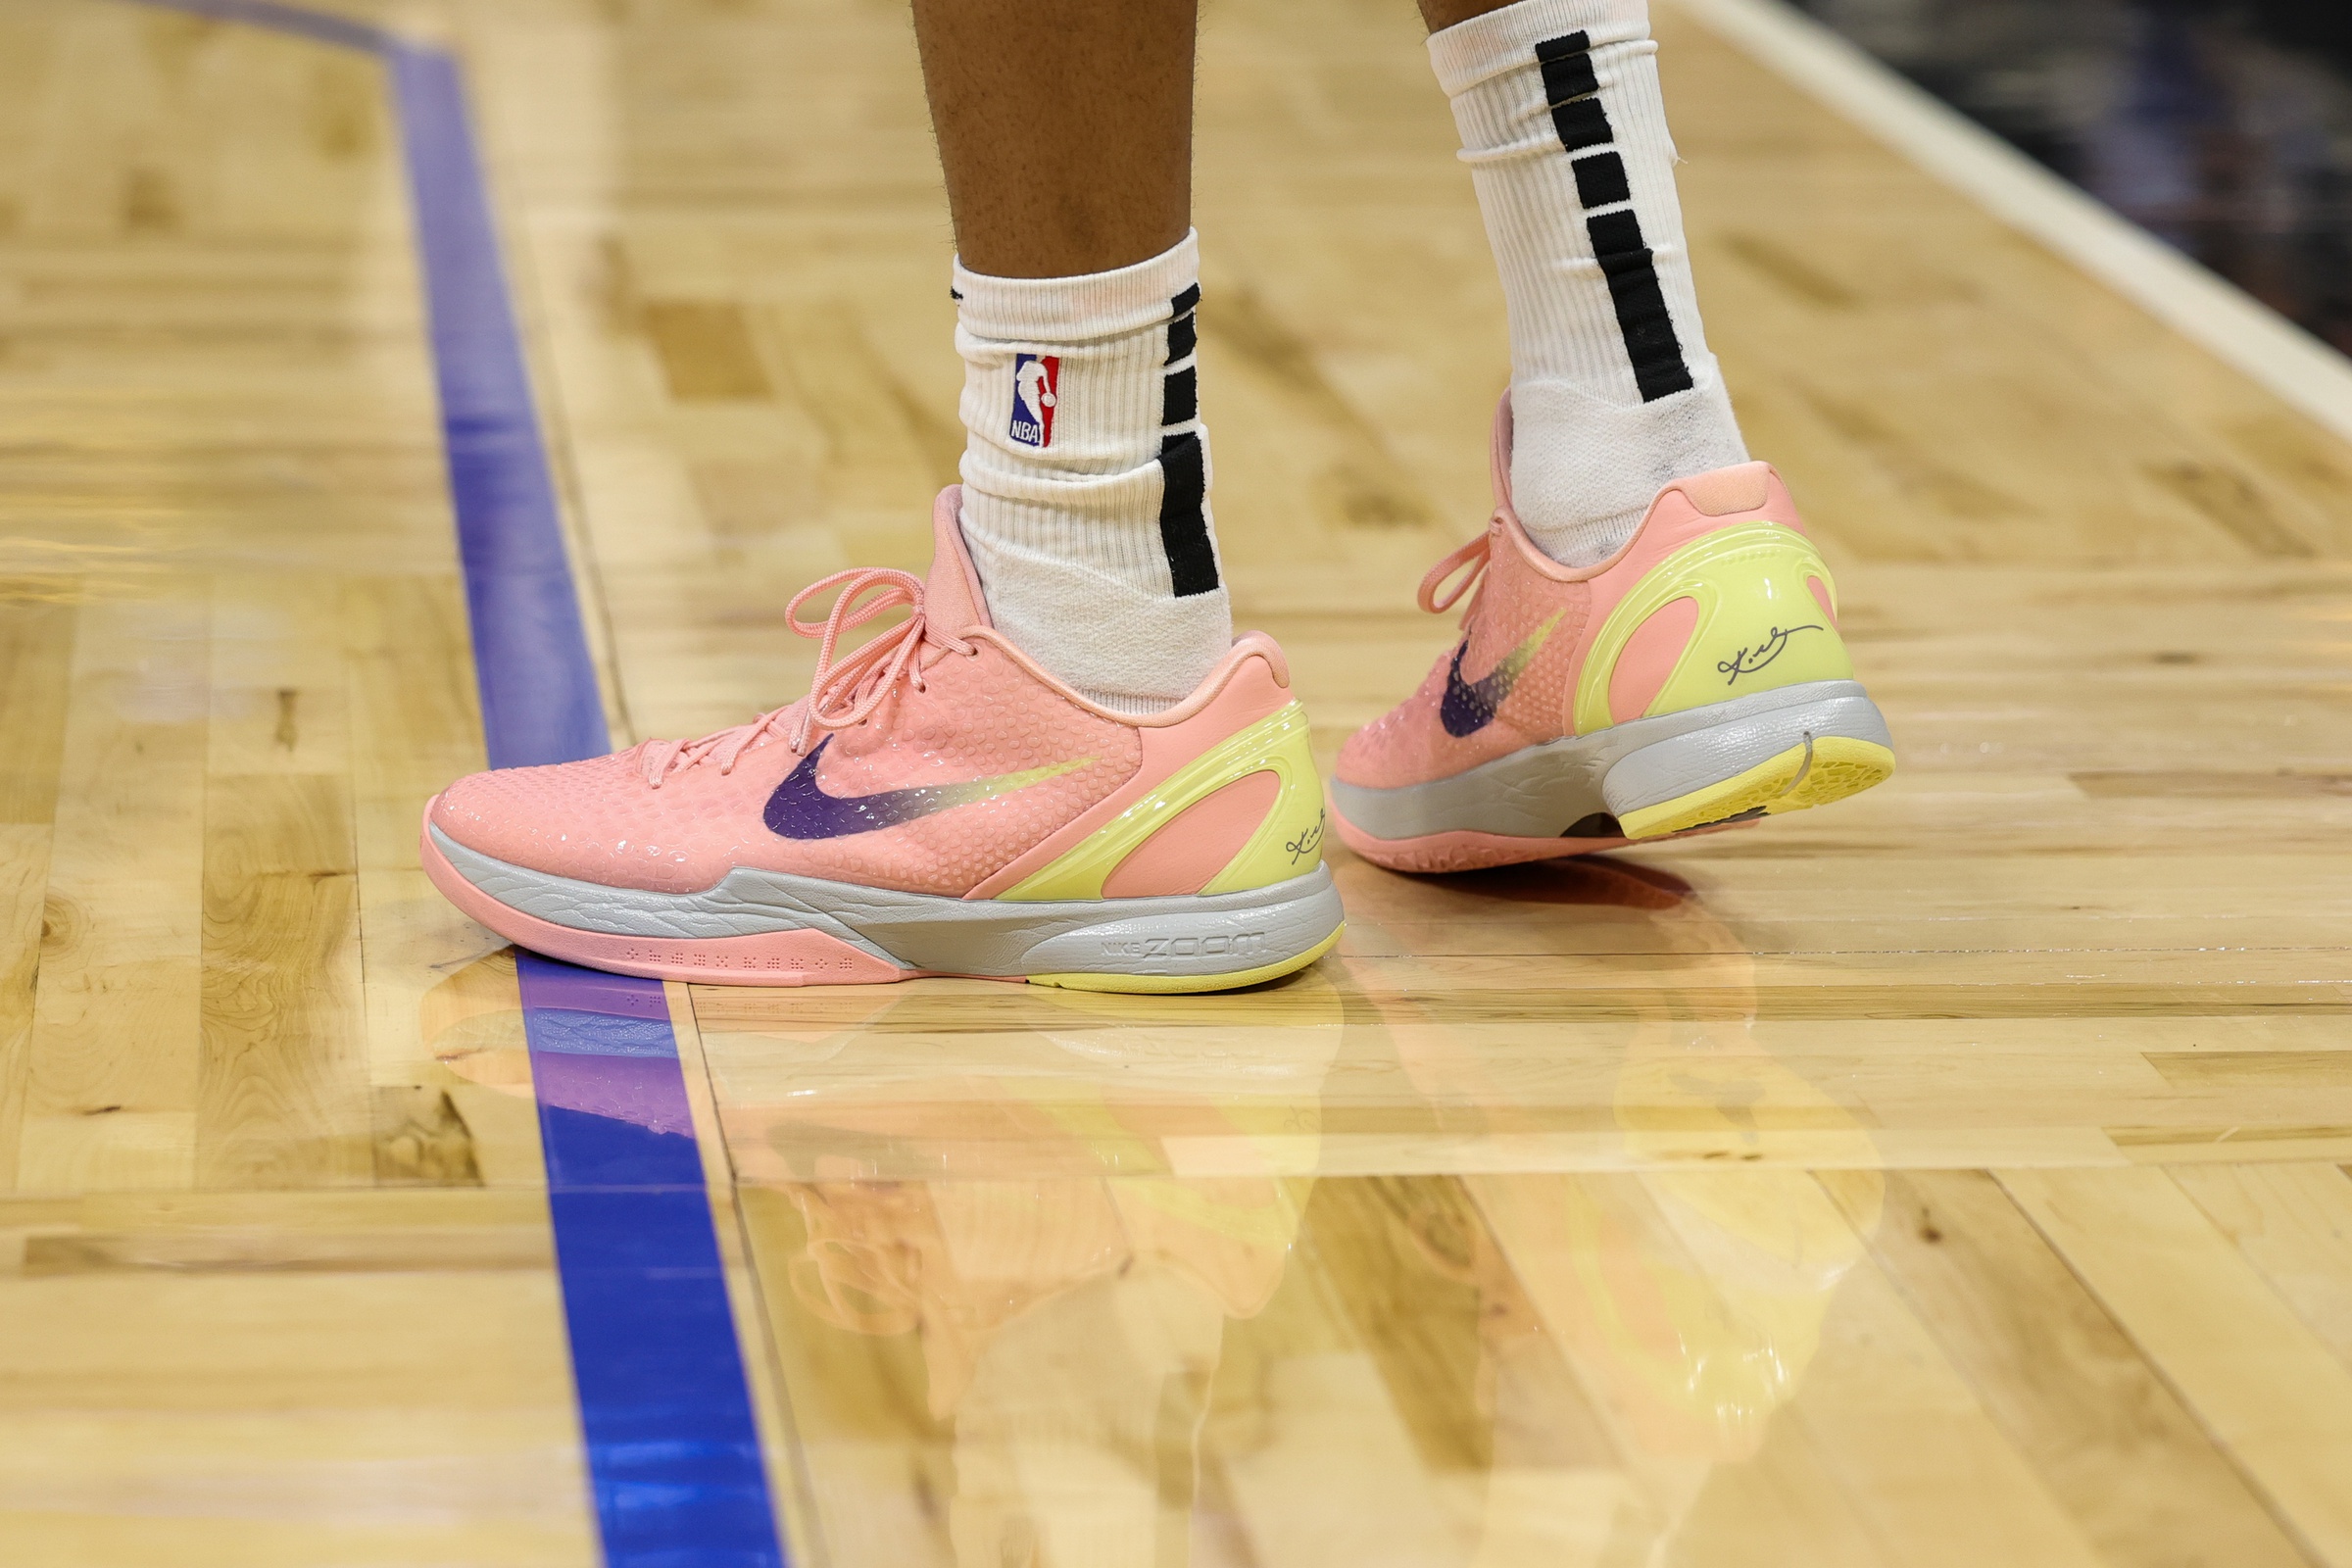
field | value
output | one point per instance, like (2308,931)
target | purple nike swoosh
(1469,705)
(800,810)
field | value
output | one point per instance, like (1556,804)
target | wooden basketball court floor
(1954,1177)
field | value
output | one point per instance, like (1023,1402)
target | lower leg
(1439,14)
(1614,391)
(1065,129)
(1065,134)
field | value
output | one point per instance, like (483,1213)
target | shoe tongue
(951,598)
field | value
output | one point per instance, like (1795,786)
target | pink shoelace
(842,694)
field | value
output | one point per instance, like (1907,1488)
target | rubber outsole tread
(1824,769)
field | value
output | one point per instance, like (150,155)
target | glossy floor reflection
(1372,1265)
(1059,1278)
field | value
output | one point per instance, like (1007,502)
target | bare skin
(1066,127)
(1438,14)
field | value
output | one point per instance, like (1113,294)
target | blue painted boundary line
(673,1449)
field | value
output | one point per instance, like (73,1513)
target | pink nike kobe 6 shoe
(937,805)
(1697,679)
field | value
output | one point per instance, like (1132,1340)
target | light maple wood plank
(1321,1453)
(2294,1223)
(878,1455)
(1923,1464)
(1688,1369)
(122,956)
(367,1378)
(36,647)
(1754,1510)
(282,1093)
(456,1107)
(24,889)
(2205,1317)
(278,676)
(2143,1480)
(447,1063)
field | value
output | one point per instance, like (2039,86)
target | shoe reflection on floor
(1491,1365)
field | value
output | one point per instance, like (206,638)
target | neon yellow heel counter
(1288,841)
(1758,628)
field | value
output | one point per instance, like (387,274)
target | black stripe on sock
(1179,396)
(956,296)
(1651,343)
(1569,76)
(1183,330)
(1581,125)
(1183,515)
(1182,336)
(1600,180)
(1615,234)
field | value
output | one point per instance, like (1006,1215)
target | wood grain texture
(36,648)
(23,891)
(281,1096)
(2209,1322)
(121,947)
(286,1379)
(2294,1223)
(2107,1436)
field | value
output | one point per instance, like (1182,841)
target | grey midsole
(1542,791)
(1181,934)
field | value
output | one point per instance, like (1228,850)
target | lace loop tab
(1434,597)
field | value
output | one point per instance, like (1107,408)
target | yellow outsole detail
(1177,983)
(1829,769)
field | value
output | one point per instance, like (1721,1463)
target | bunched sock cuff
(1076,310)
(1086,474)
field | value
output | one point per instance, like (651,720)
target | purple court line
(673,1449)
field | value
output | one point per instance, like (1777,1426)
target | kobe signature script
(1307,843)
(1747,660)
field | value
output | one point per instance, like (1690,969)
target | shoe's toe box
(596,820)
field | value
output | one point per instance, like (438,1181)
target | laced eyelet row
(840,695)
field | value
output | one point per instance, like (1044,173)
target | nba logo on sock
(1035,378)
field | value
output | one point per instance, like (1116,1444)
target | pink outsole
(774,958)
(1467,851)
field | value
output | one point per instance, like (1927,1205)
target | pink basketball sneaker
(1696,680)
(937,805)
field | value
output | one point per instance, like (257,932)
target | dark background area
(2222,127)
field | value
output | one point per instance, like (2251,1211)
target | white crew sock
(1614,392)
(1086,476)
